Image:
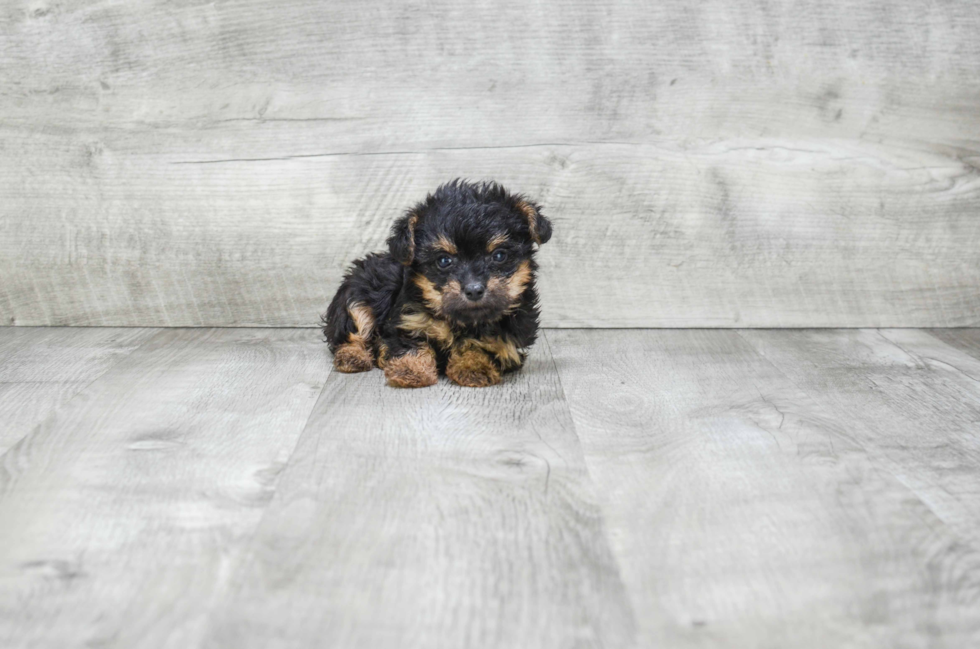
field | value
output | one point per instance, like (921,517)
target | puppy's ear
(401,242)
(537,224)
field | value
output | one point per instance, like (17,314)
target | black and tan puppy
(455,291)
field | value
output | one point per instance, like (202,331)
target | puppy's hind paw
(353,357)
(415,369)
(472,369)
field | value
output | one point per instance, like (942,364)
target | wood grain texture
(747,512)
(912,401)
(706,164)
(123,511)
(965,340)
(42,369)
(628,488)
(439,517)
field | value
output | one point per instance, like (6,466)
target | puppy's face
(470,250)
(470,278)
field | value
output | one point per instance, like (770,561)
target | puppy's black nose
(474,290)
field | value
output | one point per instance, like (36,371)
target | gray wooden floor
(689,488)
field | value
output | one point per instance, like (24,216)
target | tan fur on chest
(503,349)
(423,325)
(440,333)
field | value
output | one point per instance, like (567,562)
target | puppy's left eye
(445,261)
(499,256)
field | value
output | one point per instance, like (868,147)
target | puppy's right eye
(445,261)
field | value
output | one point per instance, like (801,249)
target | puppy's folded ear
(401,242)
(538,226)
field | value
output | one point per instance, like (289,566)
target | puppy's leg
(408,365)
(470,366)
(354,355)
(352,323)
(504,350)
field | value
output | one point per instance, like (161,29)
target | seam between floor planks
(574,427)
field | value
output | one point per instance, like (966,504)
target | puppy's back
(371,283)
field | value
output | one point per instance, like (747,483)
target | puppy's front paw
(472,368)
(415,369)
(353,357)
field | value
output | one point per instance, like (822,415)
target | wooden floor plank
(122,511)
(745,513)
(965,340)
(442,517)
(654,488)
(41,368)
(911,400)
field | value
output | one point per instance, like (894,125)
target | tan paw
(413,370)
(353,357)
(472,368)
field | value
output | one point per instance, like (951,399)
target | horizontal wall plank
(750,233)
(707,164)
(498,72)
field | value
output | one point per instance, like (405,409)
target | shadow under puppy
(455,291)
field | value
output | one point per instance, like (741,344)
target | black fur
(467,216)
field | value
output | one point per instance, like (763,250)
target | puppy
(454,293)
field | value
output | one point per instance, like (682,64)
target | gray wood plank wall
(705,163)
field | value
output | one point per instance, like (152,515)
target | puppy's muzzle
(474,291)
